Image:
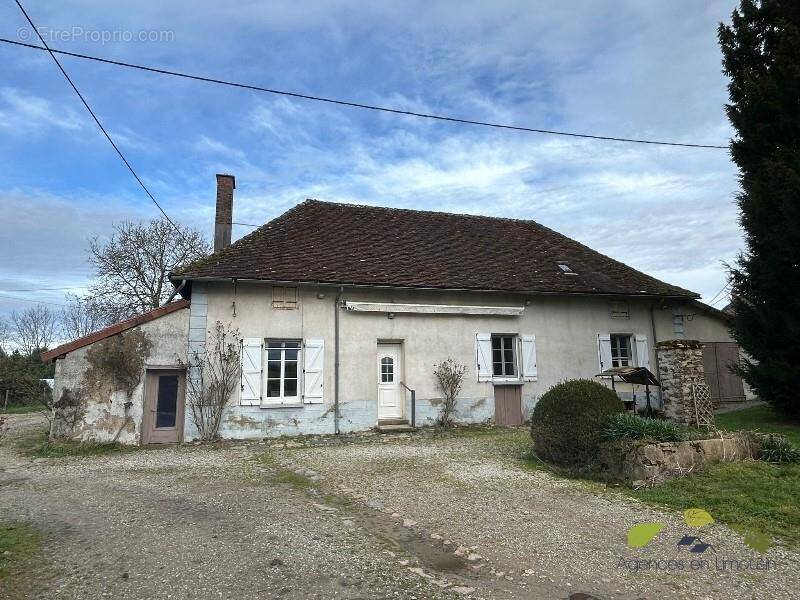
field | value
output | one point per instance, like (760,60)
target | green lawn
(21,409)
(20,561)
(38,446)
(759,418)
(751,494)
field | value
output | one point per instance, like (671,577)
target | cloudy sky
(644,69)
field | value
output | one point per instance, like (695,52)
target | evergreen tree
(761,56)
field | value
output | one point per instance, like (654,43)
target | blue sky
(643,69)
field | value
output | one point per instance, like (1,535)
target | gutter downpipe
(655,339)
(175,291)
(336,362)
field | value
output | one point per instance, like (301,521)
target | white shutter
(313,374)
(529,369)
(604,351)
(483,353)
(252,351)
(642,352)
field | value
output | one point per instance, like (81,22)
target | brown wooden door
(508,404)
(162,422)
(725,386)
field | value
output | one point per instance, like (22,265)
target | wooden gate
(508,404)
(725,386)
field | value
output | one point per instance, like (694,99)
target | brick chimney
(223,221)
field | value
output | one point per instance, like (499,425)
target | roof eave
(533,292)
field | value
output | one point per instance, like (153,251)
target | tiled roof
(323,242)
(114,330)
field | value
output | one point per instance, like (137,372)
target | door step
(394,426)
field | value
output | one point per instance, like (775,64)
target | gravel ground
(553,537)
(197,522)
(374,517)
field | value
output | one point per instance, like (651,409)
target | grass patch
(21,409)
(282,475)
(20,547)
(752,494)
(39,446)
(759,418)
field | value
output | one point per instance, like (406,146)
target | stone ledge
(672,344)
(658,461)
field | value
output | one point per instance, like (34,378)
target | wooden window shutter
(529,369)
(252,353)
(313,371)
(604,351)
(483,353)
(642,352)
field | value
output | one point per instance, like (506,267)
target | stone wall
(680,363)
(653,463)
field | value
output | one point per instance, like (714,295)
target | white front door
(390,396)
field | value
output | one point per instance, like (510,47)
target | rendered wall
(105,418)
(566,331)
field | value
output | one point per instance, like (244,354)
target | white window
(284,297)
(621,350)
(283,374)
(504,355)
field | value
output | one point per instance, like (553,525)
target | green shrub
(777,449)
(621,426)
(566,423)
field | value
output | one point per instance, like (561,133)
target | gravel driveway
(551,537)
(191,522)
(376,517)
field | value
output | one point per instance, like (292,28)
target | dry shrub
(118,360)
(450,376)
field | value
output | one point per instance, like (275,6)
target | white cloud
(22,112)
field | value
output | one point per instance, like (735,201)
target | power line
(725,287)
(94,116)
(349,103)
(30,300)
(74,287)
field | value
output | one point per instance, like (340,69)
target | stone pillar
(680,363)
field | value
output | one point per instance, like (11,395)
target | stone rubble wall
(653,463)
(680,363)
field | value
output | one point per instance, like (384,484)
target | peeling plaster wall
(105,417)
(566,331)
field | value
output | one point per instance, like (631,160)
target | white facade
(555,338)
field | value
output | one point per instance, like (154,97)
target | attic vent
(566,269)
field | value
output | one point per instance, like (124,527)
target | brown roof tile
(325,242)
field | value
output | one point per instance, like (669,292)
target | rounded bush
(567,421)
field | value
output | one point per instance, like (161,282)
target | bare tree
(34,328)
(5,335)
(83,315)
(213,375)
(132,267)
(450,376)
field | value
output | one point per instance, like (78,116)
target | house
(344,309)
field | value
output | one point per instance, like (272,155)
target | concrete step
(394,427)
(392,421)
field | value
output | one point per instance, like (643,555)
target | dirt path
(196,522)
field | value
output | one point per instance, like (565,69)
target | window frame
(514,362)
(280,345)
(279,297)
(387,361)
(616,358)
